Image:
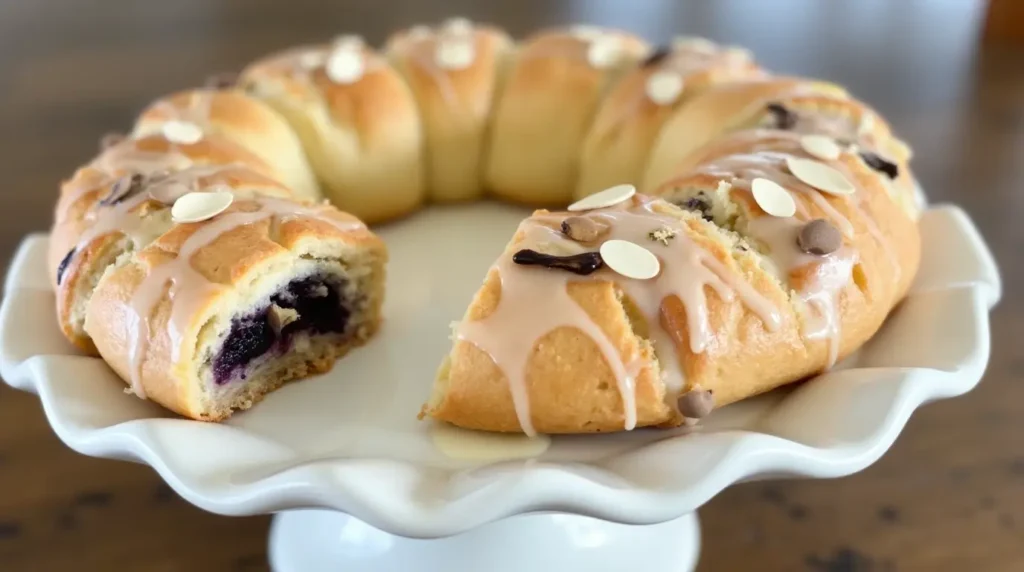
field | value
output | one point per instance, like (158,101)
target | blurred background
(947,74)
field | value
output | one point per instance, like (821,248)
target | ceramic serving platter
(350,440)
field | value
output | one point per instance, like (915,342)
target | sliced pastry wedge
(629,311)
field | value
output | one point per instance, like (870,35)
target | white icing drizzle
(535,301)
(530,308)
(187,287)
(820,290)
(124,158)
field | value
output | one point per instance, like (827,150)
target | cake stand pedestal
(322,541)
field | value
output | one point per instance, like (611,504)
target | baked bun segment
(358,122)
(629,119)
(89,232)
(240,289)
(455,71)
(631,311)
(245,120)
(717,110)
(549,99)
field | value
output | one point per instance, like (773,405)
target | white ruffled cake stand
(359,484)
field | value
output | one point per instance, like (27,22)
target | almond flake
(454,54)
(196,207)
(772,198)
(820,176)
(183,132)
(345,66)
(630,259)
(606,198)
(664,87)
(821,147)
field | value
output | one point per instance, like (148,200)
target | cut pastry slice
(634,312)
(235,292)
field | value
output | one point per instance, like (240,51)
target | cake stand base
(315,541)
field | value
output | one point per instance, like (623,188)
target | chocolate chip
(63,266)
(698,204)
(656,57)
(784,118)
(879,164)
(111,139)
(696,403)
(223,80)
(122,188)
(582,229)
(819,237)
(582,264)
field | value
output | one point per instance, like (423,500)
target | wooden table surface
(949,495)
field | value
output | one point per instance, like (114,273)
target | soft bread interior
(259,338)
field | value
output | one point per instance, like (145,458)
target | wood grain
(948,496)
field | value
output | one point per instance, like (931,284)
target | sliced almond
(454,54)
(606,198)
(664,87)
(604,52)
(821,147)
(820,176)
(196,207)
(182,132)
(773,198)
(630,259)
(345,66)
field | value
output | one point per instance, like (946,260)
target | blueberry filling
(63,266)
(784,118)
(316,299)
(877,163)
(698,204)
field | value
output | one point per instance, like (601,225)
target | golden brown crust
(628,120)
(455,103)
(363,138)
(234,259)
(79,208)
(566,371)
(545,109)
(716,110)
(243,119)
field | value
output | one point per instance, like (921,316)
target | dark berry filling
(698,204)
(63,266)
(321,310)
(877,163)
(784,118)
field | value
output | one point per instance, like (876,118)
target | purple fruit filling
(321,310)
